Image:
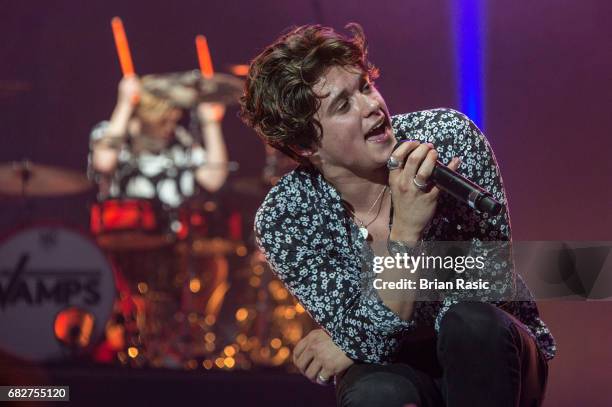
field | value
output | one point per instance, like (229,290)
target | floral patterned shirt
(313,245)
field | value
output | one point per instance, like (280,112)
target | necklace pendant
(363,231)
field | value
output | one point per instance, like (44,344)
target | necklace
(363,228)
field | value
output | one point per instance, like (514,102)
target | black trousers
(482,356)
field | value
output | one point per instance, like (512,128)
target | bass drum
(57,292)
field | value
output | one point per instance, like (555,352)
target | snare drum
(132,224)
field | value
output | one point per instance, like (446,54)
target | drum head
(45,271)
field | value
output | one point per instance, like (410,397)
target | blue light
(468,21)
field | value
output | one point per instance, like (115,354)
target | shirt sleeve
(454,134)
(489,236)
(97,132)
(326,284)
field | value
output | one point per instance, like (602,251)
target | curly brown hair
(279,102)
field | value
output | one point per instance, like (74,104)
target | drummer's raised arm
(211,176)
(106,147)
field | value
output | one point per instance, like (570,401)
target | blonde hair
(152,108)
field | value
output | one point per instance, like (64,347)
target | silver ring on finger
(322,380)
(393,163)
(422,187)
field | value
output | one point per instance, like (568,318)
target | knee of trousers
(475,327)
(380,389)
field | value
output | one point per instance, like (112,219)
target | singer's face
(357,134)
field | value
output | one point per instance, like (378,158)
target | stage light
(73,327)
(194,285)
(275,343)
(241,251)
(254,281)
(220,362)
(192,317)
(258,270)
(290,313)
(284,352)
(132,352)
(469,30)
(229,362)
(242,314)
(143,288)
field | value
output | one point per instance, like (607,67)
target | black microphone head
(489,205)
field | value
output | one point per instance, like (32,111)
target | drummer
(142,152)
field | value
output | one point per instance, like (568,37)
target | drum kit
(145,285)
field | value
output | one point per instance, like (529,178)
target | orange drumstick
(204,57)
(123,49)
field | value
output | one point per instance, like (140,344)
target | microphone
(463,189)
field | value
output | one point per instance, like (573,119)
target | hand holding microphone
(414,199)
(416,178)
(460,187)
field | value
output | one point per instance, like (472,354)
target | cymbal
(29,179)
(186,89)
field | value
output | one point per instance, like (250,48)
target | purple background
(548,84)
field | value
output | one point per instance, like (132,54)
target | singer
(311,95)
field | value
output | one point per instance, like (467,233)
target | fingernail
(430,145)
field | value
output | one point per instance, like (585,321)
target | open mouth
(378,133)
